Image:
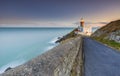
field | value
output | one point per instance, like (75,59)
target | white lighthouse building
(83,29)
(82,23)
(81,26)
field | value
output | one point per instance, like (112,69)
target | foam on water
(53,41)
(12,65)
(52,44)
(19,62)
(49,47)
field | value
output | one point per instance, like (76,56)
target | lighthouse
(82,24)
(83,29)
(80,29)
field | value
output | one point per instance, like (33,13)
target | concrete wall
(63,60)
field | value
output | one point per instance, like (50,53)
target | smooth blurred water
(18,45)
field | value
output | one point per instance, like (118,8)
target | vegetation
(71,34)
(68,36)
(111,27)
(103,33)
(110,43)
(108,29)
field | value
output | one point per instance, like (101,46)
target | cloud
(90,23)
(45,23)
(96,22)
(33,23)
(103,22)
(76,23)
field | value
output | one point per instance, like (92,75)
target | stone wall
(63,60)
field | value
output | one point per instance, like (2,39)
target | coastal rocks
(98,33)
(58,61)
(68,36)
(111,32)
(60,39)
(111,36)
(115,36)
(8,69)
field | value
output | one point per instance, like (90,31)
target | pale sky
(47,13)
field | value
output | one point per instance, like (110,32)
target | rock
(8,69)
(68,36)
(111,31)
(59,37)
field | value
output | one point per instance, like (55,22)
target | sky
(47,13)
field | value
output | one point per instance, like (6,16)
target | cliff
(109,34)
(63,60)
(68,36)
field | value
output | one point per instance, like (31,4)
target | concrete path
(100,60)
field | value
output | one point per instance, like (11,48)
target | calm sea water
(18,45)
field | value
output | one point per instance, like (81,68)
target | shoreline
(14,64)
(52,62)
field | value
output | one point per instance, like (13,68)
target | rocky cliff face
(63,60)
(111,31)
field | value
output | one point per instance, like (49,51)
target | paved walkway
(100,60)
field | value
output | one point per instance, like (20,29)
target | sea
(19,45)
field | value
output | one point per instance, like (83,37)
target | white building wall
(87,30)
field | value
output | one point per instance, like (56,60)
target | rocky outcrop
(8,69)
(111,31)
(114,36)
(63,60)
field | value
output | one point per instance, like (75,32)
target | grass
(110,43)
(69,36)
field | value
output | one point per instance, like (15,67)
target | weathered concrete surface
(78,66)
(59,61)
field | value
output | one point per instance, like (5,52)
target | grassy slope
(68,36)
(111,27)
(110,43)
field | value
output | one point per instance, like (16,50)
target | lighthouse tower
(82,24)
